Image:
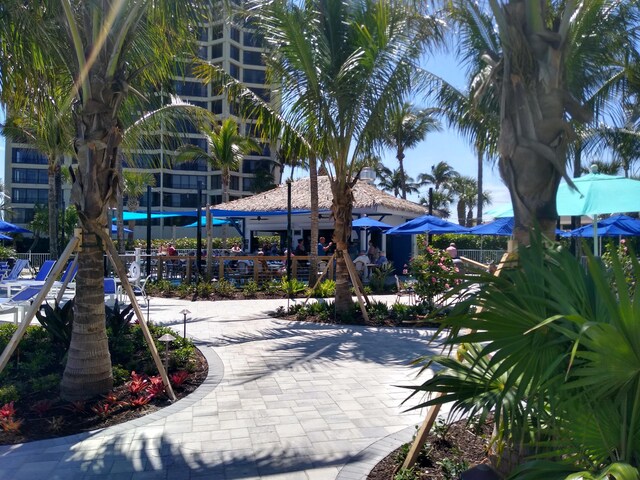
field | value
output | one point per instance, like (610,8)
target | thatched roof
(366,196)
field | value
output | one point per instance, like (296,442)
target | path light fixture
(166,338)
(184,312)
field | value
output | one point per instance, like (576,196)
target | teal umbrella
(203,222)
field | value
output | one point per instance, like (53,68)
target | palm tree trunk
(313,250)
(53,210)
(225,199)
(403,177)
(342,208)
(480,154)
(461,209)
(120,207)
(88,370)
(61,216)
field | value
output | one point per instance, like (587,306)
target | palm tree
(135,186)
(47,127)
(226,149)
(396,181)
(107,50)
(549,56)
(466,190)
(340,66)
(440,176)
(440,201)
(407,127)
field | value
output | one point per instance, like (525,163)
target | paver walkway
(284,400)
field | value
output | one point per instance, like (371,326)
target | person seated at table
(300,251)
(162,249)
(171,250)
(373,252)
(361,263)
(382,259)
(235,249)
(274,251)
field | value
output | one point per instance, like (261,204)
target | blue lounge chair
(15,272)
(39,279)
(19,302)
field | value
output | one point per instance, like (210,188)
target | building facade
(238,50)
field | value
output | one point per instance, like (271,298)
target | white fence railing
(482,256)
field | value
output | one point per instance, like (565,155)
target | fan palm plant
(107,50)
(552,352)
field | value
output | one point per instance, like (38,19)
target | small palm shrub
(325,289)
(293,286)
(552,354)
(250,289)
(379,276)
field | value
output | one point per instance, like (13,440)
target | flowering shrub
(625,257)
(434,272)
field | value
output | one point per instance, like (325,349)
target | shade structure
(501,226)
(367,222)
(427,224)
(6,227)
(5,237)
(203,222)
(598,194)
(618,225)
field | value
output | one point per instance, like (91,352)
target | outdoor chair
(404,290)
(41,278)
(15,272)
(19,302)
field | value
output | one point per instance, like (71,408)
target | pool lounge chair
(19,302)
(39,280)
(14,273)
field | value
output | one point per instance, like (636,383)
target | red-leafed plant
(79,406)
(140,400)
(42,407)
(179,377)
(8,410)
(111,397)
(138,383)
(102,409)
(11,425)
(156,386)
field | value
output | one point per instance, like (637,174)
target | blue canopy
(501,226)
(114,229)
(203,222)
(5,237)
(367,222)
(427,224)
(127,216)
(618,225)
(6,227)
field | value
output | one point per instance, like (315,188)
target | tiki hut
(266,213)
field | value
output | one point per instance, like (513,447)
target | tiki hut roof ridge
(366,197)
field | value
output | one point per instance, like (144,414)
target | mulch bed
(64,418)
(444,455)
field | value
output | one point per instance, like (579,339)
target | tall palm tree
(135,186)
(340,65)
(395,181)
(441,201)
(549,56)
(108,50)
(440,176)
(406,127)
(47,126)
(226,149)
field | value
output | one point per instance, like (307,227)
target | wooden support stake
(356,285)
(122,273)
(322,275)
(432,413)
(37,302)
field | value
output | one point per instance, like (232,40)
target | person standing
(452,250)
(300,251)
(373,252)
(322,248)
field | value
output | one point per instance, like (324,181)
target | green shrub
(327,288)
(406,474)
(250,289)
(434,273)
(120,375)
(378,312)
(224,288)
(204,289)
(9,393)
(185,290)
(58,322)
(293,286)
(379,276)
(45,383)
(453,468)
(6,332)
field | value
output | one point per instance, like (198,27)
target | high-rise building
(237,48)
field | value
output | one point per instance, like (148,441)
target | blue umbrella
(6,227)
(366,222)
(5,237)
(501,226)
(618,225)
(427,224)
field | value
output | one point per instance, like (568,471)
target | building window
(216,182)
(216,51)
(234,71)
(217,32)
(30,175)
(30,195)
(235,34)
(203,52)
(28,155)
(234,52)
(155,200)
(234,183)
(199,165)
(216,106)
(253,76)
(252,39)
(191,89)
(252,58)
(203,34)
(186,182)
(22,215)
(180,200)
(247,184)
(215,199)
